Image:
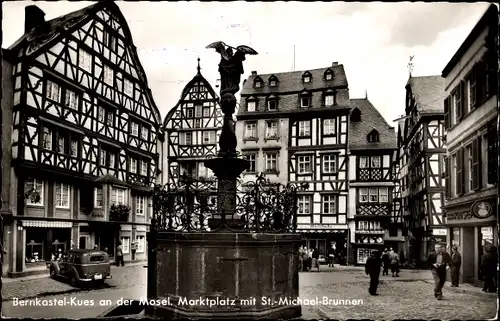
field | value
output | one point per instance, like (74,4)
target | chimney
(33,17)
(335,63)
(254,73)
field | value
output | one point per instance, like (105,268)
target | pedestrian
(456,262)
(386,262)
(331,256)
(394,258)
(305,257)
(489,265)
(119,255)
(301,261)
(315,259)
(309,259)
(372,268)
(439,261)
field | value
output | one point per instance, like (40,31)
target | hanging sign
(482,209)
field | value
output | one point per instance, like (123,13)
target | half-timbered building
(83,129)
(293,126)
(423,179)
(471,81)
(372,143)
(192,130)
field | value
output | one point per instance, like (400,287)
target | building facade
(294,127)
(372,143)
(192,130)
(471,80)
(83,127)
(422,181)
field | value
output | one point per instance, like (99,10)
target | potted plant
(119,212)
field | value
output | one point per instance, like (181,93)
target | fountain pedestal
(228,272)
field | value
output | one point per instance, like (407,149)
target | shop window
(125,245)
(140,243)
(364,254)
(35,249)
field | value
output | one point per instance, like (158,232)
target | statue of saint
(231,65)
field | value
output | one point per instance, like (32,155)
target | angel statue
(231,65)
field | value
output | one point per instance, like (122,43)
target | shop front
(472,227)
(323,239)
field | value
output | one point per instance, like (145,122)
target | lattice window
(304,204)
(329,126)
(304,164)
(329,204)
(62,195)
(329,164)
(98,197)
(304,128)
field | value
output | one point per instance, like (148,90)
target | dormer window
(329,98)
(258,83)
(306,77)
(250,105)
(329,74)
(356,115)
(305,99)
(272,103)
(373,136)
(273,81)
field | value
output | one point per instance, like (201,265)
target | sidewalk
(46,275)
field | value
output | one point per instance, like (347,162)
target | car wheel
(53,273)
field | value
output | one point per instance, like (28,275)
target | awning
(47,224)
(319,231)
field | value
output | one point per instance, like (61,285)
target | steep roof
(428,92)
(45,35)
(370,119)
(197,78)
(292,81)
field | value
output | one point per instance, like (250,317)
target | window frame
(36,183)
(329,199)
(268,158)
(267,133)
(108,75)
(327,98)
(61,187)
(96,198)
(324,161)
(305,201)
(84,58)
(331,122)
(128,87)
(304,160)
(140,209)
(253,161)
(306,130)
(253,131)
(114,196)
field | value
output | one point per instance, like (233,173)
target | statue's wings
(246,50)
(220,47)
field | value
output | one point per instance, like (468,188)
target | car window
(97,258)
(77,259)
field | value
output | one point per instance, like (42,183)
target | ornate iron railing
(200,206)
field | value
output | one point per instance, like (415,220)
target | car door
(63,263)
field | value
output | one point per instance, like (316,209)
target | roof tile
(370,119)
(428,92)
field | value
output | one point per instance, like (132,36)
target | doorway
(84,242)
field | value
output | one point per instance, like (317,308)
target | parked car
(82,266)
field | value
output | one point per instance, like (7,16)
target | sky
(372,40)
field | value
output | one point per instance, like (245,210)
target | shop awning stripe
(47,224)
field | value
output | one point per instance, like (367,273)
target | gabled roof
(428,92)
(292,81)
(370,119)
(53,30)
(197,78)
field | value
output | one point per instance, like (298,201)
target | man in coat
(456,262)
(372,268)
(386,262)
(439,261)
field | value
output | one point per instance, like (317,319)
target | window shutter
(475,164)
(492,154)
(447,113)
(479,82)
(459,178)
(447,177)
(493,78)
(458,93)
(465,98)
